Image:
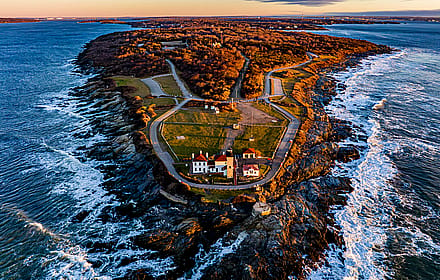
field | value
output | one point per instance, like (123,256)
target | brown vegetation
(209,53)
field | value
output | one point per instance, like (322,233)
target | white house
(251,170)
(249,153)
(221,164)
(199,164)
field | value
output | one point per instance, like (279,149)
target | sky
(120,8)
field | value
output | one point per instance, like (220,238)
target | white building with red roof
(251,170)
(249,153)
(199,164)
(221,164)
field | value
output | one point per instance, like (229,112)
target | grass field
(266,139)
(142,89)
(197,137)
(169,85)
(159,101)
(297,111)
(202,116)
(213,196)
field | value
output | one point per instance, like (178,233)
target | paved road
(155,88)
(279,157)
(277,86)
(181,85)
(237,89)
(267,88)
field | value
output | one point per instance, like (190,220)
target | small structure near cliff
(261,208)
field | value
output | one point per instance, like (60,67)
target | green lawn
(142,89)
(266,139)
(197,137)
(202,116)
(159,101)
(297,111)
(169,85)
(213,196)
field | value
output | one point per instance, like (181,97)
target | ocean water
(391,223)
(43,182)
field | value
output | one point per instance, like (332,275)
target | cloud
(313,3)
(406,13)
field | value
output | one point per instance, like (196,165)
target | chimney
(192,155)
(207,155)
(200,152)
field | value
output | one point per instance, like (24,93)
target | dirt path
(250,115)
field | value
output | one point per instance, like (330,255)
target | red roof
(200,158)
(247,167)
(249,151)
(220,158)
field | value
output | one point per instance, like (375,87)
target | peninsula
(231,115)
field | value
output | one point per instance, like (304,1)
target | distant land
(416,14)
(18,20)
(303,22)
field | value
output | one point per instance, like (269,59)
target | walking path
(280,154)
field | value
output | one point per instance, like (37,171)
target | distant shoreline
(18,20)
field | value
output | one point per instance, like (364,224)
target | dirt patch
(251,115)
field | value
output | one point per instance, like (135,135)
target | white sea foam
(84,187)
(368,212)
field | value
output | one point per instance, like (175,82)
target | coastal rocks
(346,154)
(261,208)
(341,130)
(189,227)
(274,246)
(158,240)
(318,162)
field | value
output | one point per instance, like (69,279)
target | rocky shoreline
(295,234)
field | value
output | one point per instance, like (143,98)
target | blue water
(391,223)
(42,184)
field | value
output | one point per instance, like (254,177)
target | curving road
(279,157)
(179,82)
(267,87)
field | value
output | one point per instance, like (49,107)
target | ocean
(44,180)
(390,225)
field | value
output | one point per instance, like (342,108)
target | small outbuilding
(249,153)
(251,170)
